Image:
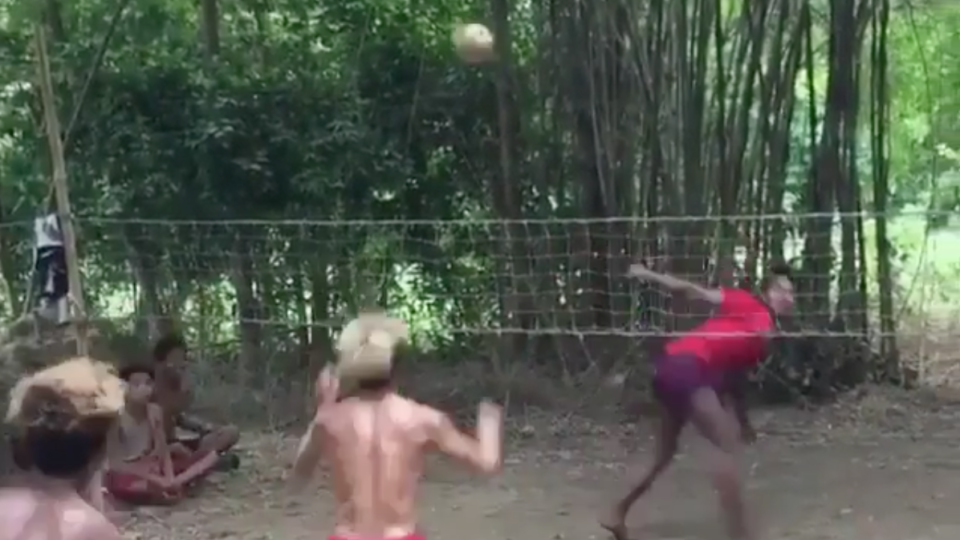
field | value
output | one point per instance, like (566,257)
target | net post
(60,189)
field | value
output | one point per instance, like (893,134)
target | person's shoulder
(741,299)
(336,417)
(17,505)
(419,414)
(93,525)
(435,420)
(749,308)
(78,520)
(12,491)
(735,293)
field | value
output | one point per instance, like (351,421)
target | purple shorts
(677,376)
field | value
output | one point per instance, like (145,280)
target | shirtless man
(61,416)
(693,376)
(174,395)
(375,440)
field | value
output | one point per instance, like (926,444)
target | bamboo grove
(500,202)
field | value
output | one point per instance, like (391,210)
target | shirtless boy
(61,417)
(375,440)
(144,467)
(174,395)
(690,380)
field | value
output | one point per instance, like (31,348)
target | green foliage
(358,113)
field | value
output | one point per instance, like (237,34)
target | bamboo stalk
(76,304)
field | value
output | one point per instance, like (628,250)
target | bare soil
(871,467)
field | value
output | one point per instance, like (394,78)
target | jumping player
(690,379)
(375,440)
(61,417)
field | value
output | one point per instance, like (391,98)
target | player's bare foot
(615,524)
(739,528)
(743,534)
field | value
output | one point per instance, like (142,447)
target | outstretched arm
(485,452)
(639,271)
(310,449)
(308,457)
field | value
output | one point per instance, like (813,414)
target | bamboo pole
(76,305)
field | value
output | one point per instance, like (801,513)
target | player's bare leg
(716,423)
(219,440)
(667,443)
(734,398)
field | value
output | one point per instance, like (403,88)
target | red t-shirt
(733,336)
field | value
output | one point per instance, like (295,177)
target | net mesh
(283,288)
(554,276)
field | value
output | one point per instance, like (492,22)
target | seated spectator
(143,467)
(174,395)
(60,418)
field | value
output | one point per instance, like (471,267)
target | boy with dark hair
(62,417)
(692,377)
(375,440)
(144,468)
(174,396)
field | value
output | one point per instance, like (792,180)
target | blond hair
(79,393)
(366,345)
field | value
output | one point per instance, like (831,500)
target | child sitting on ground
(144,468)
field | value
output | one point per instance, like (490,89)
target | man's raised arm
(483,453)
(308,457)
(675,284)
(310,450)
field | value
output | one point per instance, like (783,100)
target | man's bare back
(60,419)
(375,443)
(41,509)
(375,449)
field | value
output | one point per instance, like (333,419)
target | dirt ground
(866,468)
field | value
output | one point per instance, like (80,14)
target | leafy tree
(380,170)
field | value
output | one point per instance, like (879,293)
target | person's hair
(775,271)
(128,371)
(60,454)
(367,356)
(166,345)
(61,416)
(373,384)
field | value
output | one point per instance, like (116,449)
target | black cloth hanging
(50,262)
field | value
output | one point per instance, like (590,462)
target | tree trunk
(248,312)
(507,192)
(153,318)
(879,119)
(210,21)
(814,289)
